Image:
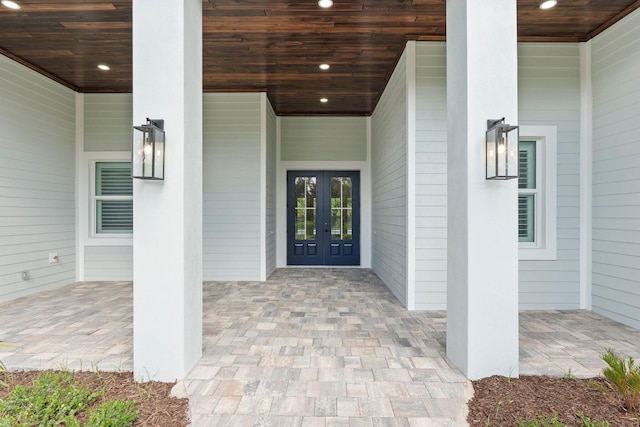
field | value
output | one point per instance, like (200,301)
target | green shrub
(113,413)
(53,399)
(626,377)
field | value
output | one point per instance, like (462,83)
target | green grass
(569,375)
(54,398)
(542,421)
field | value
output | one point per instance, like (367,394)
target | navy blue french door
(323,218)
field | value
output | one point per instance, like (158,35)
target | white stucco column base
(482,291)
(167,238)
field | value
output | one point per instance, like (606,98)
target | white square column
(482,291)
(167,238)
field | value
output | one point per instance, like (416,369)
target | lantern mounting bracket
(159,123)
(490,123)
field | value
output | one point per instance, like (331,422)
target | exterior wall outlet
(53,258)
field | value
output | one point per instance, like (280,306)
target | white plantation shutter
(114,198)
(527,191)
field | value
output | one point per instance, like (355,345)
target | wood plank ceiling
(271,45)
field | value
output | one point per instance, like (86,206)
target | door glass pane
(311,224)
(311,192)
(346,193)
(341,208)
(305,195)
(336,223)
(300,224)
(347,225)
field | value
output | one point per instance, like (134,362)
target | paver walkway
(554,342)
(80,327)
(316,347)
(308,347)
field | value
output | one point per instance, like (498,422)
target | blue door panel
(323,218)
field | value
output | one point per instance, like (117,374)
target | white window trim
(538,196)
(545,245)
(95,198)
(87,225)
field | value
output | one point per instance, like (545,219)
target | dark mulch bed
(153,398)
(501,401)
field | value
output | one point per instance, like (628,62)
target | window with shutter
(113,198)
(537,179)
(527,192)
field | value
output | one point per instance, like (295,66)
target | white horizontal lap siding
(231,185)
(549,95)
(37,202)
(107,127)
(389,184)
(616,171)
(271,191)
(107,122)
(431,176)
(323,139)
(107,263)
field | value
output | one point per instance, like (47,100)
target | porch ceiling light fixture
(548,4)
(325,4)
(10,4)
(147,153)
(502,152)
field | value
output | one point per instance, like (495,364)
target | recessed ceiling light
(104,67)
(548,4)
(10,4)
(324,100)
(325,3)
(324,66)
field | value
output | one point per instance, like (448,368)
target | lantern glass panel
(147,156)
(492,159)
(137,160)
(512,153)
(158,167)
(502,150)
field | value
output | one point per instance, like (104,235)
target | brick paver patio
(308,347)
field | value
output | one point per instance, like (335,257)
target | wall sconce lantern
(147,154)
(502,151)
